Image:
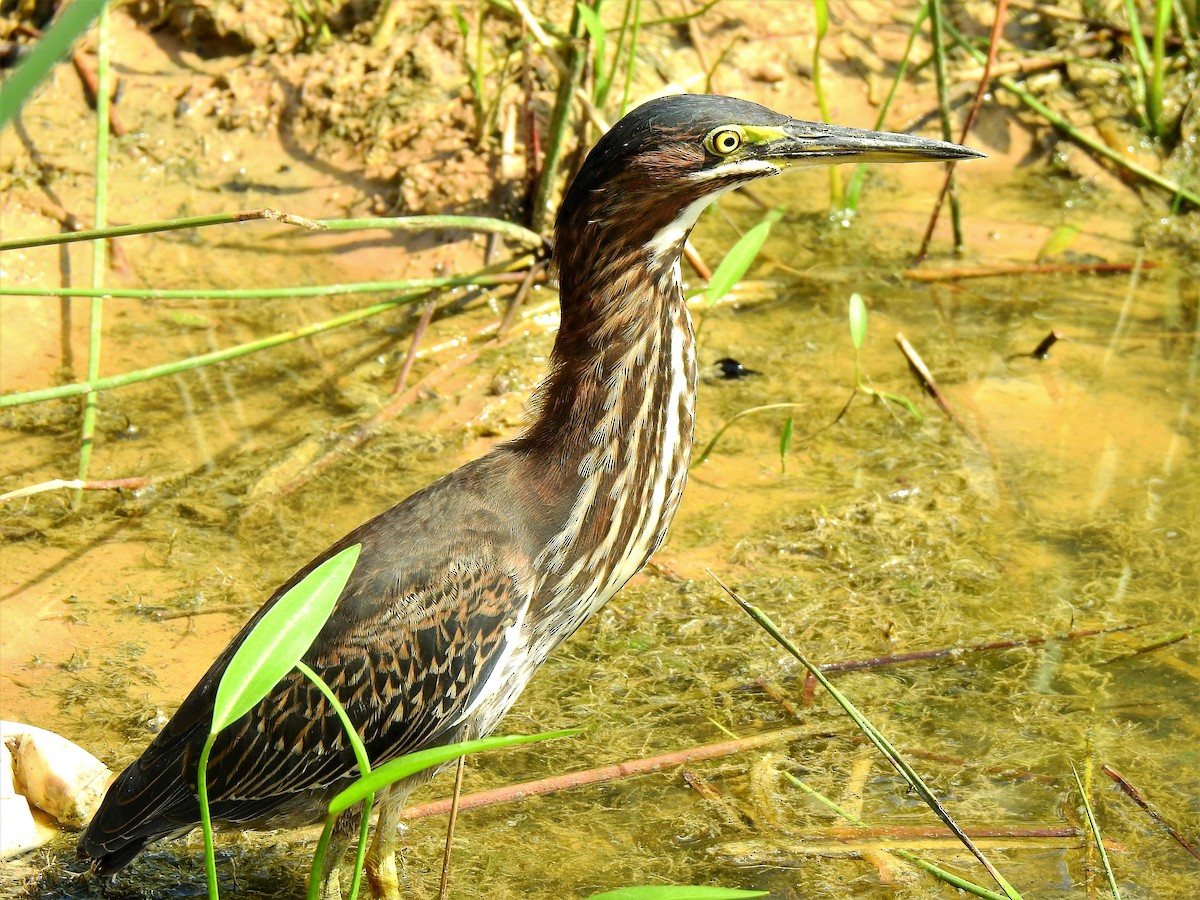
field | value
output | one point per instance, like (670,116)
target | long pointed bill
(814,144)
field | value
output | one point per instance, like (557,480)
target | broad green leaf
(412,763)
(731,269)
(54,45)
(277,642)
(676,892)
(858,321)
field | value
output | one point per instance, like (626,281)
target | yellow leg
(381,857)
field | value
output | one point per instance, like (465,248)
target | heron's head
(647,180)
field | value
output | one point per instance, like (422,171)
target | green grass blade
(854,188)
(1095,828)
(785,442)
(873,734)
(1158,66)
(410,764)
(91,401)
(54,45)
(364,766)
(277,642)
(676,892)
(595,29)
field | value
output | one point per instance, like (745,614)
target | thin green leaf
(731,269)
(858,321)
(902,400)
(412,763)
(676,892)
(277,642)
(459,19)
(591,21)
(708,448)
(785,442)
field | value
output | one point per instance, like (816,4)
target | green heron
(461,591)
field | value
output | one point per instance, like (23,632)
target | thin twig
(171,614)
(1136,796)
(972,113)
(92,86)
(960,272)
(893,659)
(921,372)
(643,766)
(76,484)
(444,885)
(418,334)
(1150,648)
(536,273)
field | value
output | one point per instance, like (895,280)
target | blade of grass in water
(873,734)
(936,22)
(1095,829)
(205,359)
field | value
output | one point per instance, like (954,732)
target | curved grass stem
(364,768)
(481,224)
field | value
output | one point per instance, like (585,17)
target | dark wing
(405,653)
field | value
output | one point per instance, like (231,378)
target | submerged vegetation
(1003,583)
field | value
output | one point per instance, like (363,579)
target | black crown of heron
(462,590)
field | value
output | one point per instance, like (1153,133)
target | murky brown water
(1067,501)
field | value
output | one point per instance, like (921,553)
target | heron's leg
(345,830)
(381,858)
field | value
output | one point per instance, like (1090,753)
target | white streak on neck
(669,238)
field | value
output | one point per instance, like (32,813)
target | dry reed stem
(644,766)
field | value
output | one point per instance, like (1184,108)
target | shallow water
(1062,499)
(1064,502)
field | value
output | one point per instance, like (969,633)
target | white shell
(19,832)
(55,775)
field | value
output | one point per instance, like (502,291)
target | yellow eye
(724,140)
